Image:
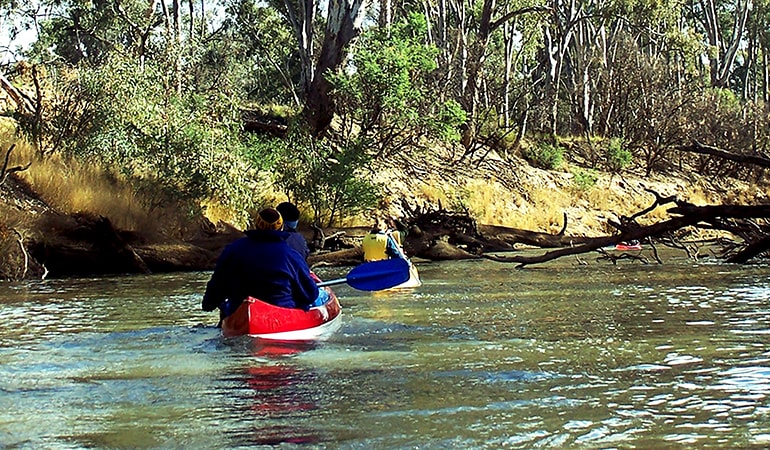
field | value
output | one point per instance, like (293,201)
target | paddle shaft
(333,282)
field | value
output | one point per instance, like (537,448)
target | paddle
(375,276)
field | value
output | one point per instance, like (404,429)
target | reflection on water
(480,356)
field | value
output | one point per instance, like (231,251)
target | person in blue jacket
(290,214)
(261,265)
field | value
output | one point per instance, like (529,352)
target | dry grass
(71,186)
(217,213)
(433,193)
(538,209)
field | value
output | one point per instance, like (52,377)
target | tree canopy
(156,90)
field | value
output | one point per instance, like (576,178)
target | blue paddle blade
(379,275)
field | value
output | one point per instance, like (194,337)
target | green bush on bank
(544,155)
(584,179)
(329,178)
(173,148)
(616,156)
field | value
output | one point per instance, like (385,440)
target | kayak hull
(260,319)
(413,281)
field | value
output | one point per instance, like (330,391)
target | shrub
(584,179)
(327,176)
(616,156)
(545,155)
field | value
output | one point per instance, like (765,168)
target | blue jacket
(297,242)
(261,265)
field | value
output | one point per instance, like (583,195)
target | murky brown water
(481,356)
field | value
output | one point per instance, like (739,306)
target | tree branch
(690,215)
(697,147)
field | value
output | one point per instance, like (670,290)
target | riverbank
(495,192)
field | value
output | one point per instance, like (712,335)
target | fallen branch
(751,250)
(690,215)
(23,104)
(605,255)
(5,171)
(697,147)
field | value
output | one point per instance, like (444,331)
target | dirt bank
(496,193)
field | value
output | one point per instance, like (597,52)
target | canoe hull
(257,318)
(413,281)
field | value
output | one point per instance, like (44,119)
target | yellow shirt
(374,245)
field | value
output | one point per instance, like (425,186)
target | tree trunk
(722,62)
(302,21)
(343,24)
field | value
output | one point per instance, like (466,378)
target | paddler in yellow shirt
(382,243)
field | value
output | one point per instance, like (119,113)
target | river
(481,356)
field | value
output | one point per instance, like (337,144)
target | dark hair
(289,211)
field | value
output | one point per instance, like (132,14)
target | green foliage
(545,155)
(386,96)
(266,51)
(726,99)
(90,30)
(330,178)
(616,156)
(584,180)
(446,125)
(174,148)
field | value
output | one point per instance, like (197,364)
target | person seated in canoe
(290,214)
(629,245)
(262,265)
(382,243)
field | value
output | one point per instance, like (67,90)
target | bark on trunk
(343,24)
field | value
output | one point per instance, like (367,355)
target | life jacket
(374,245)
(396,235)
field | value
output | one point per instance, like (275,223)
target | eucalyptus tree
(320,56)
(723,23)
(271,62)
(754,78)
(387,102)
(477,40)
(603,33)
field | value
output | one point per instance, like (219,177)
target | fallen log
(690,215)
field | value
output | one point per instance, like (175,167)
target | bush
(584,180)
(616,156)
(545,155)
(176,150)
(327,176)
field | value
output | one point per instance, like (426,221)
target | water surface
(481,356)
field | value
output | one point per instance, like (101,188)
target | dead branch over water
(730,218)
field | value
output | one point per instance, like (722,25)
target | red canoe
(257,318)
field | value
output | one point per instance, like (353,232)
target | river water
(481,356)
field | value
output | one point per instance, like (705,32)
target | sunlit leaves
(172,148)
(331,178)
(387,90)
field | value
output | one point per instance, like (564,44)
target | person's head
(290,214)
(378,225)
(269,219)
